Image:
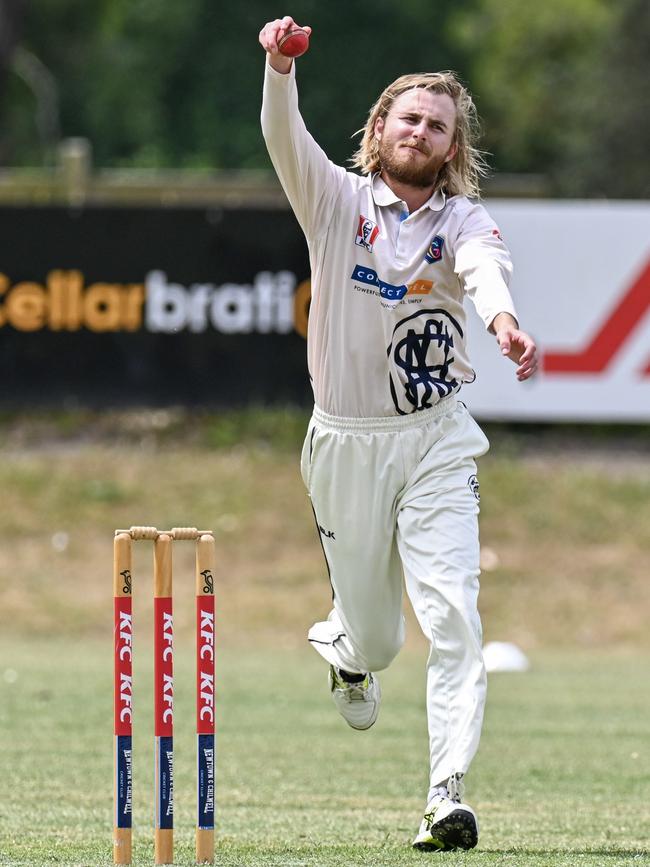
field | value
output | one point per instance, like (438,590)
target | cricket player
(389,457)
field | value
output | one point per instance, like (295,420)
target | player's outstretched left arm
(516,345)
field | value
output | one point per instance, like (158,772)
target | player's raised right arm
(310,180)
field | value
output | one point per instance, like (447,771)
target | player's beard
(420,175)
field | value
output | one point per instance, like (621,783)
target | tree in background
(157,83)
(610,155)
(561,86)
(11,18)
(531,65)
(564,90)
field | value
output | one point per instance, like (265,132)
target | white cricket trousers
(397,497)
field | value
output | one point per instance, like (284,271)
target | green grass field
(562,777)
(563,773)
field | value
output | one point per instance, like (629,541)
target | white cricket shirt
(386,332)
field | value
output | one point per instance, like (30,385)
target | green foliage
(608,156)
(561,86)
(529,62)
(165,84)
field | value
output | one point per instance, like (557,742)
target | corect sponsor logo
(206,780)
(388,291)
(123,782)
(165,782)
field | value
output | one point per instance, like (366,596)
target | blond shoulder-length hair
(462,174)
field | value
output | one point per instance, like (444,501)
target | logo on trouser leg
(328,534)
(473,486)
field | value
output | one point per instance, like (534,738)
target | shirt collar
(383,195)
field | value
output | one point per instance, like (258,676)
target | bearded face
(416,137)
(409,163)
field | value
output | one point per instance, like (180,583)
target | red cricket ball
(294,43)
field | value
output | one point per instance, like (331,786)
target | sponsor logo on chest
(390,291)
(367,233)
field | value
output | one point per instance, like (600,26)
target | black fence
(152,306)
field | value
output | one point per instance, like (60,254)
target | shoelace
(354,691)
(455,788)
(452,791)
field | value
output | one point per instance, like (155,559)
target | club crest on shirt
(434,251)
(367,232)
(421,358)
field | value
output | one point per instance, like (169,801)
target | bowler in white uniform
(389,457)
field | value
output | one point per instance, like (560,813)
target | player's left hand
(520,348)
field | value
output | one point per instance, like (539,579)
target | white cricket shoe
(448,824)
(358,703)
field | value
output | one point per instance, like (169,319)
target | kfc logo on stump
(367,232)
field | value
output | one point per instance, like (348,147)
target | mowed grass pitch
(563,773)
(562,777)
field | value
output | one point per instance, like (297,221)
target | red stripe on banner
(123,650)
(611,336)
(205,665)
(163,667)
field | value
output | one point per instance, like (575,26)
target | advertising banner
(582,288)
(118,306)
(138,306)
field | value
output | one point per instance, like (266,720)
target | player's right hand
(271,34)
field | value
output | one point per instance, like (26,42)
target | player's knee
(379,655)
